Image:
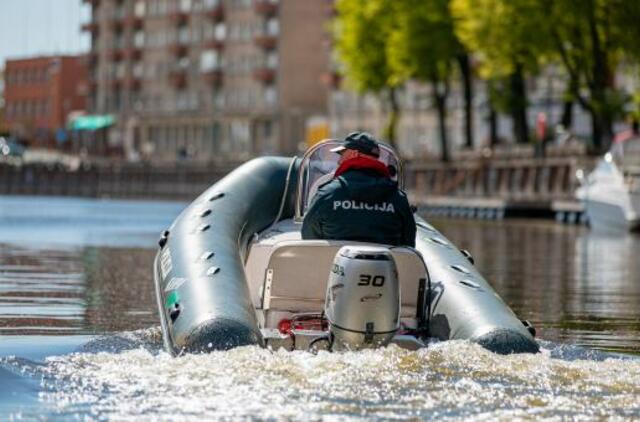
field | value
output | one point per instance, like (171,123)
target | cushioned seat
(297,273)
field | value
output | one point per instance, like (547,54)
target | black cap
(359,141)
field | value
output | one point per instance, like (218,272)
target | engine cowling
(362,303)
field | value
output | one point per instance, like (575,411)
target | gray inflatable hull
(463,304)
(203,295)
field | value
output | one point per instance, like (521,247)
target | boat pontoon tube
(202,292)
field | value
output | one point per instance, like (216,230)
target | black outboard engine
(362,303)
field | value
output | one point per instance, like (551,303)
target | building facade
(39,95)
(208,79)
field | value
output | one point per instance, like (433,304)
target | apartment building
(40,93)
(208,80)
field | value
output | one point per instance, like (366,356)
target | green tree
(423,46)
(505,36)
(362,30)
(590,41)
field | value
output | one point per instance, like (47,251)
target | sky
(42,27)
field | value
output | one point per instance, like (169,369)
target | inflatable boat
(232,270)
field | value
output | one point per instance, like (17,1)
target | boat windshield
(319,163)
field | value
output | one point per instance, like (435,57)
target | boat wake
(129,375)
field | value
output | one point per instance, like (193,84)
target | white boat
(611,192)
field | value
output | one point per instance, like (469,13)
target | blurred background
(207,80)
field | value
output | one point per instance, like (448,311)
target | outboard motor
(362,303)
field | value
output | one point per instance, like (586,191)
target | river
(80,337)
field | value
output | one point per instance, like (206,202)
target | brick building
(208,79)
(39,94)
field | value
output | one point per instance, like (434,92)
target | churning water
(128,376)
(79,336)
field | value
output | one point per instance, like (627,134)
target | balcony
(266,7)
(134,54)
(216,14)
(134,22)
(214,45)
(213,77)
(178,50)
(268,42)
(90,27)
(179,18)
(178,79)
(115,83)
(332,79)
(133,83)
(115,54)
(265,75)
(116,24)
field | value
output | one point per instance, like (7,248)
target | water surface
(79,332)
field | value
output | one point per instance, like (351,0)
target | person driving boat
(361,201)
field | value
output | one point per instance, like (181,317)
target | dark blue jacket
(361,205)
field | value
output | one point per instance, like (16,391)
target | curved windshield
(319,163)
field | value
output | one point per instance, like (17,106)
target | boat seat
(298,271)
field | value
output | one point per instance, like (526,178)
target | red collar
(363,163)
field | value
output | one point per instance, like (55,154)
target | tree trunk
(567,110)
(601,119)
(602,131)
(493,114)
(390,131)
(493,126)
(467,84)
(519,106)
(567,114)
(440,100)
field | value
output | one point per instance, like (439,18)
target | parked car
(10,148)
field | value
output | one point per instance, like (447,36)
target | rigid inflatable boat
(232,270)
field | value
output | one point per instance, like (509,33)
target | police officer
(360,202)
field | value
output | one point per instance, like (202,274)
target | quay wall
(115,181)
(526,181)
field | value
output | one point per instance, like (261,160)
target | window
(153,7)
(196,33)
(220,31)
(193,101)
(209,60)
(270,95)
(272,60)
(245,32)
(273,26)
(120,70)
(184,63)
(239,134)
(233,32)
(120,11)
(163,7)
(118,40)
(183,35)
(138,70)
(138,39)
(185,6)
(139,9)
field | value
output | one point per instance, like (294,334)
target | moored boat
(611,192)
